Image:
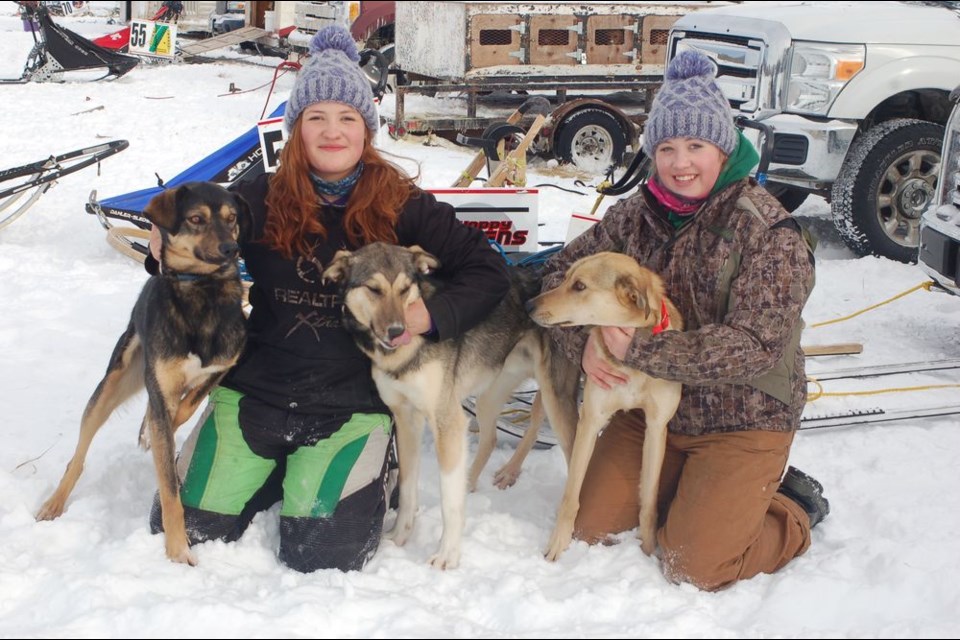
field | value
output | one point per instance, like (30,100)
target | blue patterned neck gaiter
(341,188)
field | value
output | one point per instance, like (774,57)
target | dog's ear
(423,261)
(655,292)
(244,218)
(631,292)
(339,268)
(162,210)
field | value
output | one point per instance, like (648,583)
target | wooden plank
(843,348)
(506,166)
(224,40)
(480,160)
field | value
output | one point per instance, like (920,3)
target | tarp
(240,159)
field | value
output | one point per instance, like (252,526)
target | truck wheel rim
(904,192)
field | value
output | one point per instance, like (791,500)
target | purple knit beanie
(690,104)
(332,73)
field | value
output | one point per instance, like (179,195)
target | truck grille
(739,62)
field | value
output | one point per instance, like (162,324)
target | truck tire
(592,139)
(790,197)
(888,179)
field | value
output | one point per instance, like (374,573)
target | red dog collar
(664,319)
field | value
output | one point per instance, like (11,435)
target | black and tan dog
(612,289)
(426,380)
(186,329)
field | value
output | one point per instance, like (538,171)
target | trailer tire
(888,179)
(592,139)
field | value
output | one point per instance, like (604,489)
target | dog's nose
(530,306)
(395,331)
(229,249)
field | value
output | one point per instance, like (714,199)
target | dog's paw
(506,477)
(445,560)
(648,539)
(648,549)
(176,544)
(559,542)
(52,508)
(182,555)
(401,531)
(647,532)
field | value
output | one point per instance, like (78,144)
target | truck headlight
(818,72)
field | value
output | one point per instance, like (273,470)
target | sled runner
(32,180)
(57,50)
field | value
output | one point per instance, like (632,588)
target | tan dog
(425,381)
(611,289)
(186,329)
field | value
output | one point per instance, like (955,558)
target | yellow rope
(925,285)
(516,171)
(517,415)
(820,393)
(600,188)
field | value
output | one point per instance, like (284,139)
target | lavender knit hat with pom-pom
(690,104)
(332,73)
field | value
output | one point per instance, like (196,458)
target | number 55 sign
(153,38)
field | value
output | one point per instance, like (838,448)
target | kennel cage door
(555,40)
(656,30)
(611,39)
(494,41)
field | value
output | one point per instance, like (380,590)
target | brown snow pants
(721,518)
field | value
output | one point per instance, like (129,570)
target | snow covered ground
(884,564)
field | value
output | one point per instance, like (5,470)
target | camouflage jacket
(739,273)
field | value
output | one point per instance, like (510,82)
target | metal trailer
(599,64)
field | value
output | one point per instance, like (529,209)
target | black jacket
(298,356)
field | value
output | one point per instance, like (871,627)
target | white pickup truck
(940,225)
(855,95)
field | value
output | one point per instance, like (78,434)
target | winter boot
(806,492)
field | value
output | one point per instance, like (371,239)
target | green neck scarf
(738,165)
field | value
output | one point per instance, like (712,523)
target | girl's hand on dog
(417,321)
(617,340)
(417,317)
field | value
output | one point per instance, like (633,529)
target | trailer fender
(589,132)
